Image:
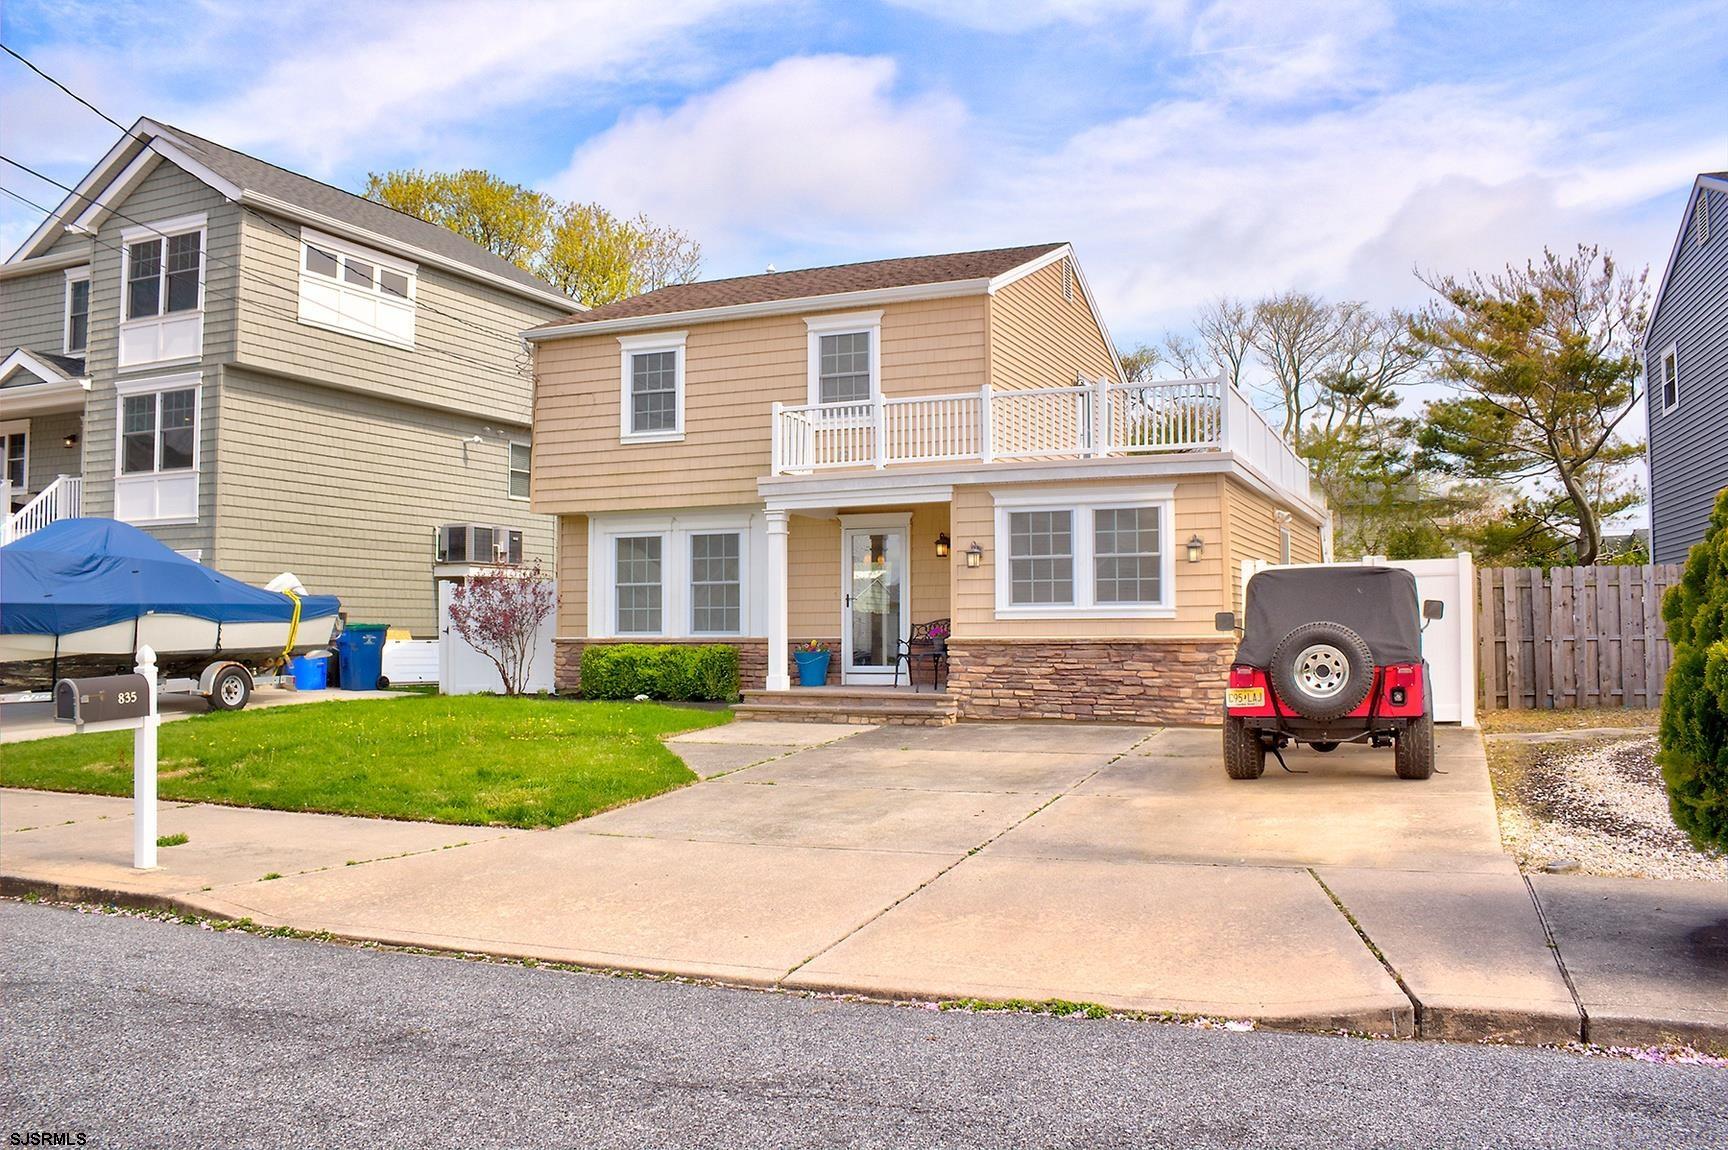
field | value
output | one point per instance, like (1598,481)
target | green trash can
(360,656)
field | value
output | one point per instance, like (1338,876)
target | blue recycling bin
(360,656)
(311,672)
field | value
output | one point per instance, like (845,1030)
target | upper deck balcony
(1084,421)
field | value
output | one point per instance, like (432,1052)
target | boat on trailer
(81,596)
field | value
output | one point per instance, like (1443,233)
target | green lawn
(475,759)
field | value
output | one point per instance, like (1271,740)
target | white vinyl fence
(464,671)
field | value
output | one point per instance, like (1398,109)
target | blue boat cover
(76,574)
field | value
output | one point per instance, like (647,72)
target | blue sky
(1188,149)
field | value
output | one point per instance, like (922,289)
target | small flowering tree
(499,615)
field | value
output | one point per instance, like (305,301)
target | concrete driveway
(1091,863)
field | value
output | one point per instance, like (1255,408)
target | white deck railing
(61,499)
(1087,420)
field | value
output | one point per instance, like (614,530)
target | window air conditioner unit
(479,543)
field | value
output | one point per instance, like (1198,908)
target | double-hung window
(1104,553)
(356,290)
(651,388)
(15,455)
(77,311)
(639,583)
(521,466)
(156,450)
(845,358)
(161,292)
(1671,378)
(716,583)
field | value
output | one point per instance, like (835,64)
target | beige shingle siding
(1254,533)
(814,565)
(347,491)
(49,455)
(167,193)
(1199,586)
(573,577)
(33,313)
(467,355)
(734,372)
(1040,339)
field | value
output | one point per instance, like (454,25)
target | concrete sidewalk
(1103,864)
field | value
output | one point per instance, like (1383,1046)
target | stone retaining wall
(1119,680)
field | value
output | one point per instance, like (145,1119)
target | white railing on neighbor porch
(61,499)
(1087,420)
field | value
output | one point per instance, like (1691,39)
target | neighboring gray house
(268,374)
(1686,372)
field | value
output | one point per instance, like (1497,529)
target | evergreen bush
(1694,731)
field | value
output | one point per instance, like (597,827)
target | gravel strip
(1604,806)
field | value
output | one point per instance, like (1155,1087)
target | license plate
(1245,696)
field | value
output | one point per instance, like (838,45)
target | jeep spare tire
(1322,670)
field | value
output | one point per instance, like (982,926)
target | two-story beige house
(842,453)
(268,373)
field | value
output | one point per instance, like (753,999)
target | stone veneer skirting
(1117,680)
(752,659)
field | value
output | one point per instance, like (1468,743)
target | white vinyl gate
(1448,643)
(464,671)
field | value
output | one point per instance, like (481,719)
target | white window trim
(10,428)
(848,323)
(339,247)
(164,231)
(76,275)
(1082,504)
(1672,351)
(633,345)
(510,469)
(156,385)
(676,609)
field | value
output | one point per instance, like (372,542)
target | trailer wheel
(1244,753)
(1414,753)
(230,690)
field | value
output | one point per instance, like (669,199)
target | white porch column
(778,656)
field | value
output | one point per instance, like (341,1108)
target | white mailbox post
(120,703)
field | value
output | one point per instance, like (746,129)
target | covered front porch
(41,441)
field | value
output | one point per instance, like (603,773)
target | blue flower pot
(812,668)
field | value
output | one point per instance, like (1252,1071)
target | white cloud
(1020,15)
(812,147)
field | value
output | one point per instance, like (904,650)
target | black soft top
(1378,603)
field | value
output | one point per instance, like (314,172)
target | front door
(873,619)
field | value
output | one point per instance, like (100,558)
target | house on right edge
(1686,374)
(844,453)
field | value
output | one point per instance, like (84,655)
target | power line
(209,292)
(514,335)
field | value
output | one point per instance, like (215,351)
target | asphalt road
(144,1033)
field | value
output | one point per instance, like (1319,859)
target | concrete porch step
(851,705)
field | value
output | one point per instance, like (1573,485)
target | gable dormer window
(845,358)
(77,311)
(355,290)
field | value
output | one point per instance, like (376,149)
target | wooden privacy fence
(1572,636)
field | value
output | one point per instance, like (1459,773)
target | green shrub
(673,672)
(1694,732)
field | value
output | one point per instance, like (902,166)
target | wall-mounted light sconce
(942,545)
(1196,546)
(70,440)
(974,554)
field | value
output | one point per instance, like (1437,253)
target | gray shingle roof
(255,175)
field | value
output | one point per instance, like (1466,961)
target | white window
(638,584)
(521,468)
(716,583)
(77,311)
(1102,553)
(356,290)
(162,292)
(1671,378)
(689,574)
(15,455)
(651,388)
(845,358)
(156,452)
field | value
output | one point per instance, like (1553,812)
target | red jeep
(1330,655)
